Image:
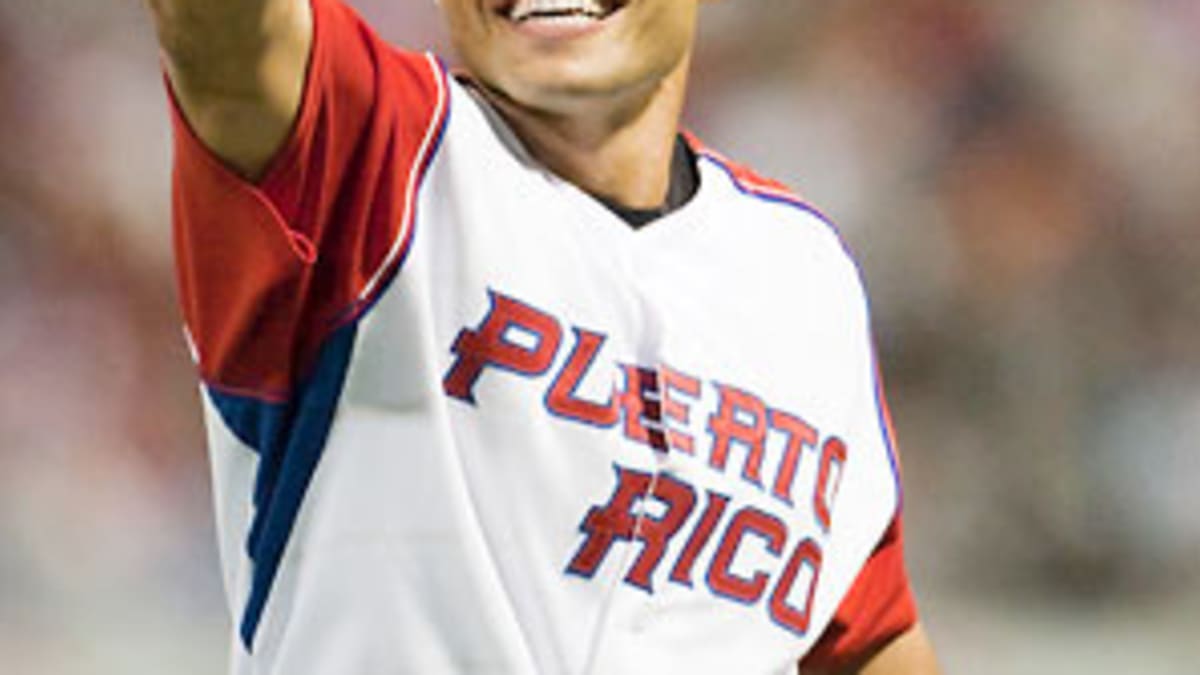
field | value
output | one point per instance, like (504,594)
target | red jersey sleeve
(878,607)
(267,270)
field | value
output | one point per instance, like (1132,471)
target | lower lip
(558,29)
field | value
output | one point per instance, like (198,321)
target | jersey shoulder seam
(396,257)
(763,189)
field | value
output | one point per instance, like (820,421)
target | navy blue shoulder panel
(289,439)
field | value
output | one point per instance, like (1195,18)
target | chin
(539,55)
(561,83)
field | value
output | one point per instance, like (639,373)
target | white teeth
(527,9)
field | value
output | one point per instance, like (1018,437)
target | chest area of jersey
(702,462)
(671,410)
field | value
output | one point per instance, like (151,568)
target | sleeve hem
(283,163)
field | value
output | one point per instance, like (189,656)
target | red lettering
(682,572)
(675,410)
(642,407)
(656,533)
(617,521)
(833,457)
(728,427)
(561,399)
(490,345)
(807,554)
(609,523)
(720,575)
(652,509)
(799,435)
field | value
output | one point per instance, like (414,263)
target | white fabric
(436,534)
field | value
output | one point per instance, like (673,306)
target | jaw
(545,51)
(571,56)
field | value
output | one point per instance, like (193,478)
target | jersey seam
(398,253)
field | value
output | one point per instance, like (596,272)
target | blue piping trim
(778,198)
(886,430)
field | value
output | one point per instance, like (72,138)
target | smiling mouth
(522,11)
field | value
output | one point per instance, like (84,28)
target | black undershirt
(685,180)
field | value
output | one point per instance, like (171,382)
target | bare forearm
(237,67)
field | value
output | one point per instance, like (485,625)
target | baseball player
(503,373)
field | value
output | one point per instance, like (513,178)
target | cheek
(465,27)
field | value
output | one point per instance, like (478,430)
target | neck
(619,150)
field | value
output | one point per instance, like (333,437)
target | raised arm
(237,69)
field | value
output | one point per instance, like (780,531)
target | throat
(684,182)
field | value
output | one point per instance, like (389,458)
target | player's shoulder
(780,213)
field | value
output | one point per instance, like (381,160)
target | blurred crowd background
(1020,180)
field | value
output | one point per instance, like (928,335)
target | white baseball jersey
(464,419)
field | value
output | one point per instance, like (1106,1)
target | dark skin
(601,110)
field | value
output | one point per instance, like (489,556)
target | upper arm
(237,69)
(878,607)
(909,653)
(268,268)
